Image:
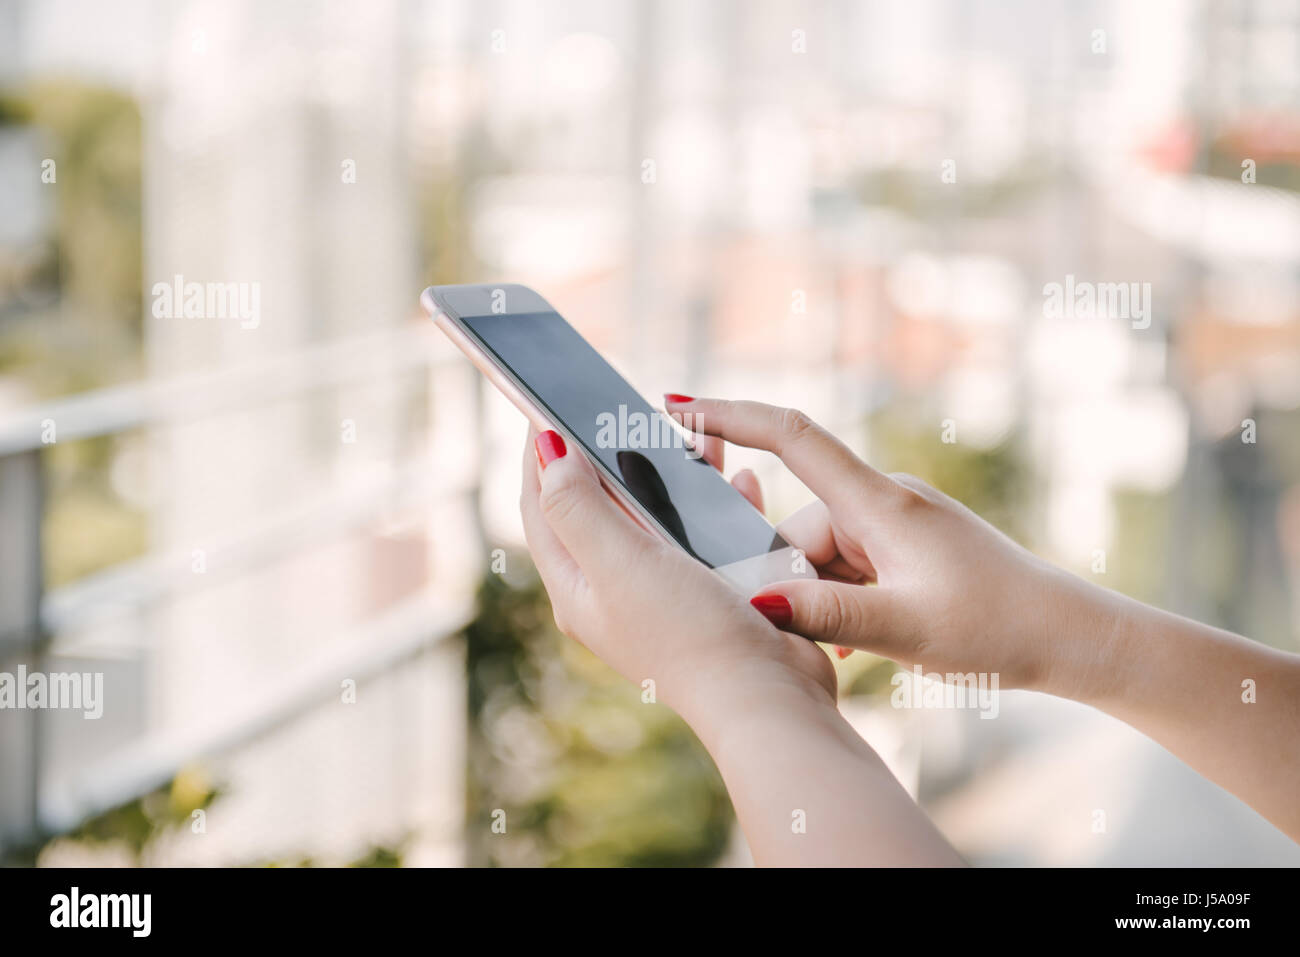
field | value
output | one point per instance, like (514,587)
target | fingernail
(678,397)
(549,446)
(775,608)
(842,651)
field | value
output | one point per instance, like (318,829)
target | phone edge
(479,357)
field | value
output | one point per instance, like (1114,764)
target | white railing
(30,616)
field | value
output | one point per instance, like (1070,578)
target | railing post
(21,585)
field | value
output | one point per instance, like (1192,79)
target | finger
(851,616)
(822,462)
(559,573)
(712,449)
(838,570)
(746,483)
(594,530)
(810,530)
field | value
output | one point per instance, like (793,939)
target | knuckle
(833,615)
(919,649)
(913,493)
(561,500)
(795,424)
(912,502)
(908,480)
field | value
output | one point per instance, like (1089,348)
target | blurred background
(292,547)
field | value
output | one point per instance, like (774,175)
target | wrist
(787,755)
(1086,628)
(722,697)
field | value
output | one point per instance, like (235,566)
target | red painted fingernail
(678,397)
(549,446)
(775,608)
(842,651)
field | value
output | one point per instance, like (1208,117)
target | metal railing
(31,616)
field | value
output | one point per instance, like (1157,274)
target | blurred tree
(84,330)
(1136,562)
(565,755)
(912,191)
(445,221)
(134,828)
(131,828)
(994,483)
(89,333)
(1273,149)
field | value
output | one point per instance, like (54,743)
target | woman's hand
(906,572)
(917,577)
(806,788)
(647,608)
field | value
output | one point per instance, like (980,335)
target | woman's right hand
(906,571)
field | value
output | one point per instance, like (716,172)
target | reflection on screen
(685,495)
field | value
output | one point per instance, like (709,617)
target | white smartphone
(560,382)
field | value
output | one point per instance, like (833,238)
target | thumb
(591,526)
(853,616)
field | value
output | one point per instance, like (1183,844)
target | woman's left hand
(647,608)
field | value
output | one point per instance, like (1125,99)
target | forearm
(808,791)
(1227,706)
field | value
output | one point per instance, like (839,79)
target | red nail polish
(842,651)
(678,397)
(775,608)
(549,446)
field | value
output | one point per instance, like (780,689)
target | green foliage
(87,526)
(993,483)
(94,136)
(379,856)
(14,110)
(444,216)
(922,194)
(135,825)
(585,773)
(1280,170)
(866,675)
(1138,563)
(72,307)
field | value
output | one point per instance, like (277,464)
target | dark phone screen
(641,447)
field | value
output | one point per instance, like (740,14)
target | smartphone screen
(638,445)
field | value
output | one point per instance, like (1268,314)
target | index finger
(822,462)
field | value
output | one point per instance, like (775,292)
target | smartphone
(554,376)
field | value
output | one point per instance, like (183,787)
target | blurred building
(279,641)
